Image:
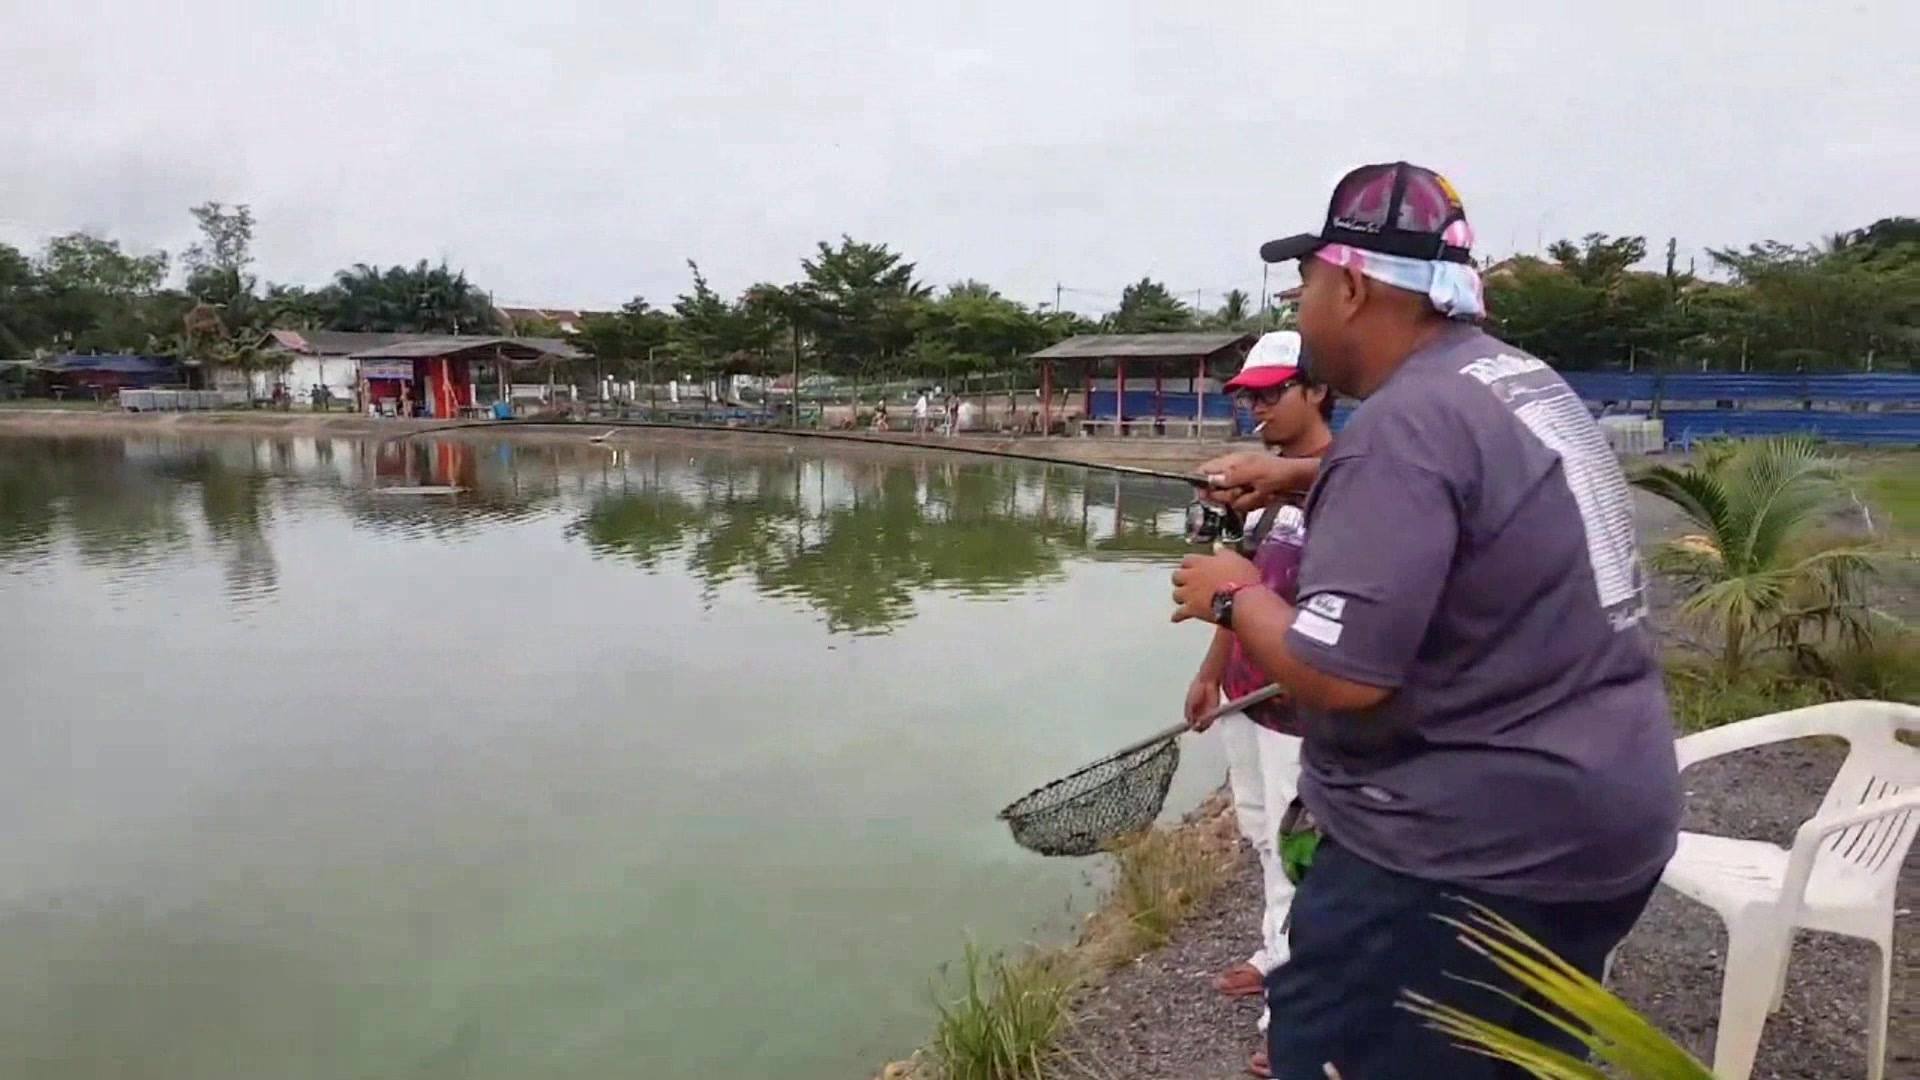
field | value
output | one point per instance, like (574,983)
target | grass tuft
(1005,1016)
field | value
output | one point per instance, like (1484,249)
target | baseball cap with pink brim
(1275,359)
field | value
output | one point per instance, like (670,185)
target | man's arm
(1246,480)
(1261,620)
(1380,545)
(1203,693)
(1213,666)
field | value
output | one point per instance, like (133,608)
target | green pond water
(655,762)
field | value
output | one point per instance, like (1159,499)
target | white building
(317,358)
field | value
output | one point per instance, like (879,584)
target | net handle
(1237,705)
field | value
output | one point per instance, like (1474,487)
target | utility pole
(1056,298)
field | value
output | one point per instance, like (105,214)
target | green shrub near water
(1006,1017)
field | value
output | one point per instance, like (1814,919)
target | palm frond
(1753,576)
(1692,560)
(1787,481)
(1610,1029)
(1698,493)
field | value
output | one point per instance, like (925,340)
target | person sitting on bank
(1291,414)
(1486,721)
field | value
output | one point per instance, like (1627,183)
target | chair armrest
(1806,839)
(1840,718)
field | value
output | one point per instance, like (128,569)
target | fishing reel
(1209,523)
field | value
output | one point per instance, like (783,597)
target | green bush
(1704,696)
(1887,670)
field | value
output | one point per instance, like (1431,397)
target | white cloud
(579,154)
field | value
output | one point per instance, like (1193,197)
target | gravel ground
(1159,1017)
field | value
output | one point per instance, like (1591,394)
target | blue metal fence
(1686,426)
(1881,409)
(1878,409)
(1620,386)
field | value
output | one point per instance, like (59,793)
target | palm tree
(1233,309)
(1756,570)
(1622,1039)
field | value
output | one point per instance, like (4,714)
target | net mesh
(1083,812)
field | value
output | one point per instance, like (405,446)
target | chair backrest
(1878,765)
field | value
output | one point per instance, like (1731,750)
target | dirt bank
(1173,455)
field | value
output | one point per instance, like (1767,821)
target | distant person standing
(953,414)
(880,415)
(920,406)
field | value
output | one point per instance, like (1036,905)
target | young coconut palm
(1756,571)
(1613,1033)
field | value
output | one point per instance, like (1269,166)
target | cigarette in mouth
(1258,426)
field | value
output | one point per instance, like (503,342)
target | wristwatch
(1223,605)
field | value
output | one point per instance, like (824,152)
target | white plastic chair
(1838,877)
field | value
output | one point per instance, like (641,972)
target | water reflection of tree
(235,505)
(641,526)
(859,554)
(121,501)
(853,537)
(117,515)
(32,479)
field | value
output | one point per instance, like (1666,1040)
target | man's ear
(1355,290)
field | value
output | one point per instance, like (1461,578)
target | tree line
(859,309)
(1848,302)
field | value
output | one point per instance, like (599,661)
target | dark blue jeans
(1363,934)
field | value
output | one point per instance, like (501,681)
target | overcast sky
(578,154)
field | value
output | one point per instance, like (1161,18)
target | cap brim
(1260,378)
(1290,248)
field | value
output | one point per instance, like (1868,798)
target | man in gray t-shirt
(1486,719)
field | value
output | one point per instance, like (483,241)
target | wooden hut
(1145,383)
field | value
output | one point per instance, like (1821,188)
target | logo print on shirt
(1317,627)
(1548,407)
(1331,605)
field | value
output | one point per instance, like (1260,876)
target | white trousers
(1263,770)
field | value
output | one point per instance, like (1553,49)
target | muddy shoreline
(1171,455)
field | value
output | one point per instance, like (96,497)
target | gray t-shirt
(1470,545)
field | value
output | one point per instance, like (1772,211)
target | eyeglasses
(1269,395)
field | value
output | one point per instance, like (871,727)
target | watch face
(1223,608)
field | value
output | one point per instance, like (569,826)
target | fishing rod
(1192,478)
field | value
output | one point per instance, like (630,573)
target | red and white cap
(1275,359)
